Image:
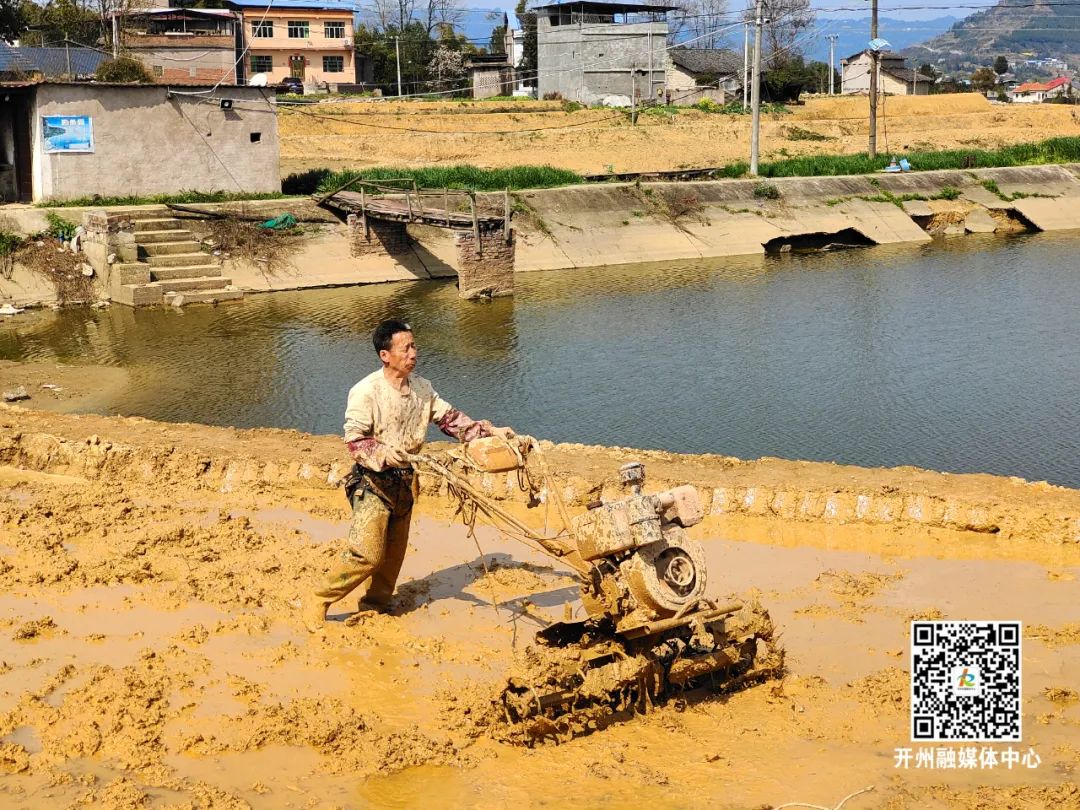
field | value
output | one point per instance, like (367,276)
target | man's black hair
(384,333)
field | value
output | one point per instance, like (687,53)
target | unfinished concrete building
(601,53)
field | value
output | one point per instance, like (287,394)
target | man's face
(401,356)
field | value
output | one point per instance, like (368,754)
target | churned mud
(151,653)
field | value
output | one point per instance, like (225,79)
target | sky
(899,9)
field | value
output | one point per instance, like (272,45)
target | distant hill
(1020,30)
(854,34)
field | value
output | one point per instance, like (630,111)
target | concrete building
(1038,92)
(601,53)
(697,73)
(61,140)
(190,45)
(311,40)
(491,75)
(893,78)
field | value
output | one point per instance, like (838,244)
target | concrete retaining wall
(624,223)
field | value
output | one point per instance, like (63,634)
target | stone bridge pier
(376,237)
(485,267)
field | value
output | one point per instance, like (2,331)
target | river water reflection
(960,356)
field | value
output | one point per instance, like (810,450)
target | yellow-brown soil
(151,652)
(356,135)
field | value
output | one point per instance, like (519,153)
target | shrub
(800,134)
(60,227)
(949,193)
(572,106)
(555,95)
(707,105)
(766,191)
(123,69)
(9,243)
(304,182)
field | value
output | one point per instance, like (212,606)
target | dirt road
(152,655)
(595,141)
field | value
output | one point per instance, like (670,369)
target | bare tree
(441,12)
(787,22)
(700,24)
(393,14)
(397,14)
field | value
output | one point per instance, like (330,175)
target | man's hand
(395,457)
(504,433)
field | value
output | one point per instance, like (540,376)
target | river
(962,355)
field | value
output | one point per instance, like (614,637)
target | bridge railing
(409,190)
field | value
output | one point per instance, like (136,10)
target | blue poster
(67,133)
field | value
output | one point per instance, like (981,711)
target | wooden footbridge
(378,213)
(401,201)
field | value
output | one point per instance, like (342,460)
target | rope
(471,504)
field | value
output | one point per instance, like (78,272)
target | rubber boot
(313,613)
(342,580)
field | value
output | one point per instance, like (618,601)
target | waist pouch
(394,487)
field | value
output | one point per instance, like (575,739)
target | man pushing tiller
(386,420)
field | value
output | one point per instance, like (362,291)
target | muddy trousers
(378,538)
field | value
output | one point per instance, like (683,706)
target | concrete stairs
(171,268)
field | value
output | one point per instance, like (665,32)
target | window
(334,30)
(333,64)
(256,137)
(262,30)
(262,64)
(299,29)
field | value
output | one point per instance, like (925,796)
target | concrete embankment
(625,223)
(622,223)
(896,511)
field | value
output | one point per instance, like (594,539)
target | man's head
(394,342)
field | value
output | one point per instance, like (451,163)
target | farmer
(386,419)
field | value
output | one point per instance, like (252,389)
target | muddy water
(958,356)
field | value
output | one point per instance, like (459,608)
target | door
(24,177)
(296,67)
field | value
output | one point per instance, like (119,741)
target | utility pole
(633,96)
(115,36)
(873,80)
(649,92)
(832,73)
(755,100)
(745,63)
(397,60)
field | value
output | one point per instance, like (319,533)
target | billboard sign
(67,133)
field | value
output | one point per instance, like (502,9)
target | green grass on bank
(1053,150)
(514,178)
(180,198)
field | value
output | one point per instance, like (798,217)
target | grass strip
(164,199)
(1065,149)
(514,178)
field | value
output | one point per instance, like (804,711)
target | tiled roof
(905,74)
(50,61)
(714,61)
(1042,87)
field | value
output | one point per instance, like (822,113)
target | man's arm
(457,425)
